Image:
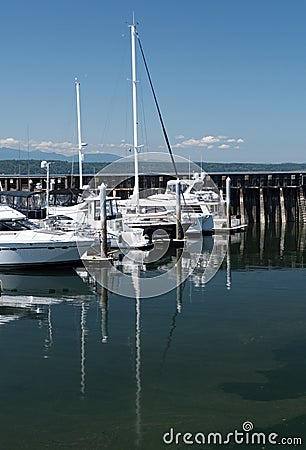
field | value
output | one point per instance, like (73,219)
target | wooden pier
(276,197)
(270,197)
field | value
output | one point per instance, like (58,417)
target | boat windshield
(171,187)
(152,209)
(196,187)
(111,209)
(17,225)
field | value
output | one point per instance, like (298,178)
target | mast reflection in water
(85,368)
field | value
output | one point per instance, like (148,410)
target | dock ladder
(301,205)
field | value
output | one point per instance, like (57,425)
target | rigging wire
(143,116)
(158,108)
(161,121)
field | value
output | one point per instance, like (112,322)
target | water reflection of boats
(28,294)
(31,295)
(273,246)
(9,313)
(157,268)
(59,285)
(42,284)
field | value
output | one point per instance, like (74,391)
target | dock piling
(178,211)
(103,220)
(228,202)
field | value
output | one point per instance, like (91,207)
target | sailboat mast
(135,133)
(77,88)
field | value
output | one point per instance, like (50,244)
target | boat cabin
(30,203)
(93,213)
(65,197)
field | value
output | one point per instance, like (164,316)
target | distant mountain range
(11,153)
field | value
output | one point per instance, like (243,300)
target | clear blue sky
(230,76)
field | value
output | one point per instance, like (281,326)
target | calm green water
(80,371)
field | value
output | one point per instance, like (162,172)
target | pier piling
(103,219)
(228,202)
(178,211)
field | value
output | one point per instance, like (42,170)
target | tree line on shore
(32,167)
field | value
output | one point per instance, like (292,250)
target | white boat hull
(18,251)
(201,225)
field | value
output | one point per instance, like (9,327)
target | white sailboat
(160,211)
(86,214)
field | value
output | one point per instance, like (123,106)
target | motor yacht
(24,244)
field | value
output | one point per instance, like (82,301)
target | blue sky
(230,76)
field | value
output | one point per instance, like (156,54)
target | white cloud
(46,146)
(222,142)
(65,148)
(210,139)
(123,145)
(9,142)
(188,143)
(236,141)
(203,142)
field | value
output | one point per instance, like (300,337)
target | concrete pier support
(282,205)
(241,206)
(301,206)
(262,239)
(277,214)
(282,239)
(261,206)
(228,202)
(254,205)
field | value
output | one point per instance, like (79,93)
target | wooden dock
(269,197)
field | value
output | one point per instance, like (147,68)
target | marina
(147,302)
(261,196)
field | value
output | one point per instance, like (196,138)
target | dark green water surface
(77,373)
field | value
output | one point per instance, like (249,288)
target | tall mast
(77,88)
(135,135)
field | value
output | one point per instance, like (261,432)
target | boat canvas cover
(7,213)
